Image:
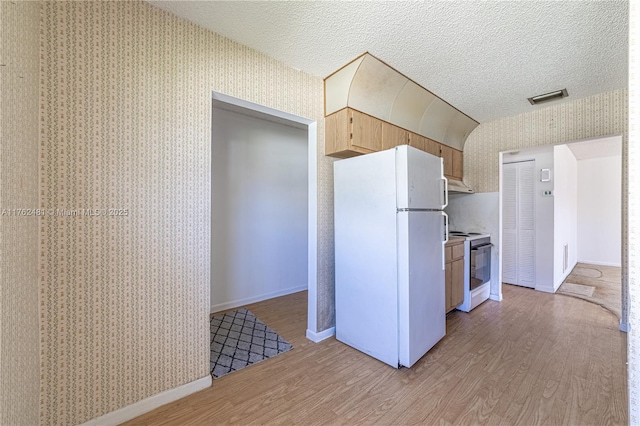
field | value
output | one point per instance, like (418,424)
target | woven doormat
(239,339)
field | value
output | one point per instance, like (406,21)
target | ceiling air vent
(547,97)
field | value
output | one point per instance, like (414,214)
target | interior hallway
(596,283)
(533,358)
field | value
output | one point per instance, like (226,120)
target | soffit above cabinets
(369,85)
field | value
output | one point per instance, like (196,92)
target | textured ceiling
(485,58)
(597,148)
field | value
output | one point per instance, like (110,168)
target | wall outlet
(547,193)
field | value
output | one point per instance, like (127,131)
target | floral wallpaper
(125,151)
(600,115)
(123,244)
(19,328)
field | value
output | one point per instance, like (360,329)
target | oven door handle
(483,246)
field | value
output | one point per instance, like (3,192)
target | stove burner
(468,235)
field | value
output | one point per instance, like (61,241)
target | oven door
(480,271)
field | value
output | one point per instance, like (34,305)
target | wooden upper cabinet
(366,132)
(456,164)
(446,152)
(393,136)
(432,147)
(336,134)
(417,141)
(349,133)
(452,159)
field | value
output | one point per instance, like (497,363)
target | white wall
(479,213)
(565,212)
(599,210)
(543,157)
(259,200)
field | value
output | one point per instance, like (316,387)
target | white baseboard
(241,302)
(320,336)
(595,262)
(545,288)
(496,297)
(139,408)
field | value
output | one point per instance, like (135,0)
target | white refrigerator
(390,233)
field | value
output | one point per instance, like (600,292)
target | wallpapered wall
(126,116)
(19,77)
(600,115)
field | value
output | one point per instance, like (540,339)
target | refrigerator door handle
(446,238)
(446,191)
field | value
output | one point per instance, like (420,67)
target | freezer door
(420,180)
(421,304)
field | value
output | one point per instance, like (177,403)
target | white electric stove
(477,268)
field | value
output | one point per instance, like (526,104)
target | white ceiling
(485,58)
(597,148)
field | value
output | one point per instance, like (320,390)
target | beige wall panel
(436,119)
(375,87)
(410,105)
(126,124)
(337,87)
(19,120)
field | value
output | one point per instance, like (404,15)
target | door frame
(624,320)
(501,214)
(312,209)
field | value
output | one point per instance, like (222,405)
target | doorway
(263,204)
(577,208)
(519,223)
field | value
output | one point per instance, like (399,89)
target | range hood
(458,186)
(370,86)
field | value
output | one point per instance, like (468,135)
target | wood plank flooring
(535,358)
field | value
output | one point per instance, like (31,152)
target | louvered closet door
(518,222)
(510,223)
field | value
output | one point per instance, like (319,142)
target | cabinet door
(417,141)
(366,132)
(432,147)
(336,133)
(446,153)
(457,251)
(456,164)
(393,136)
(447,288)
(457,282)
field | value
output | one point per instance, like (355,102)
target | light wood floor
(606,282)
(534,358)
